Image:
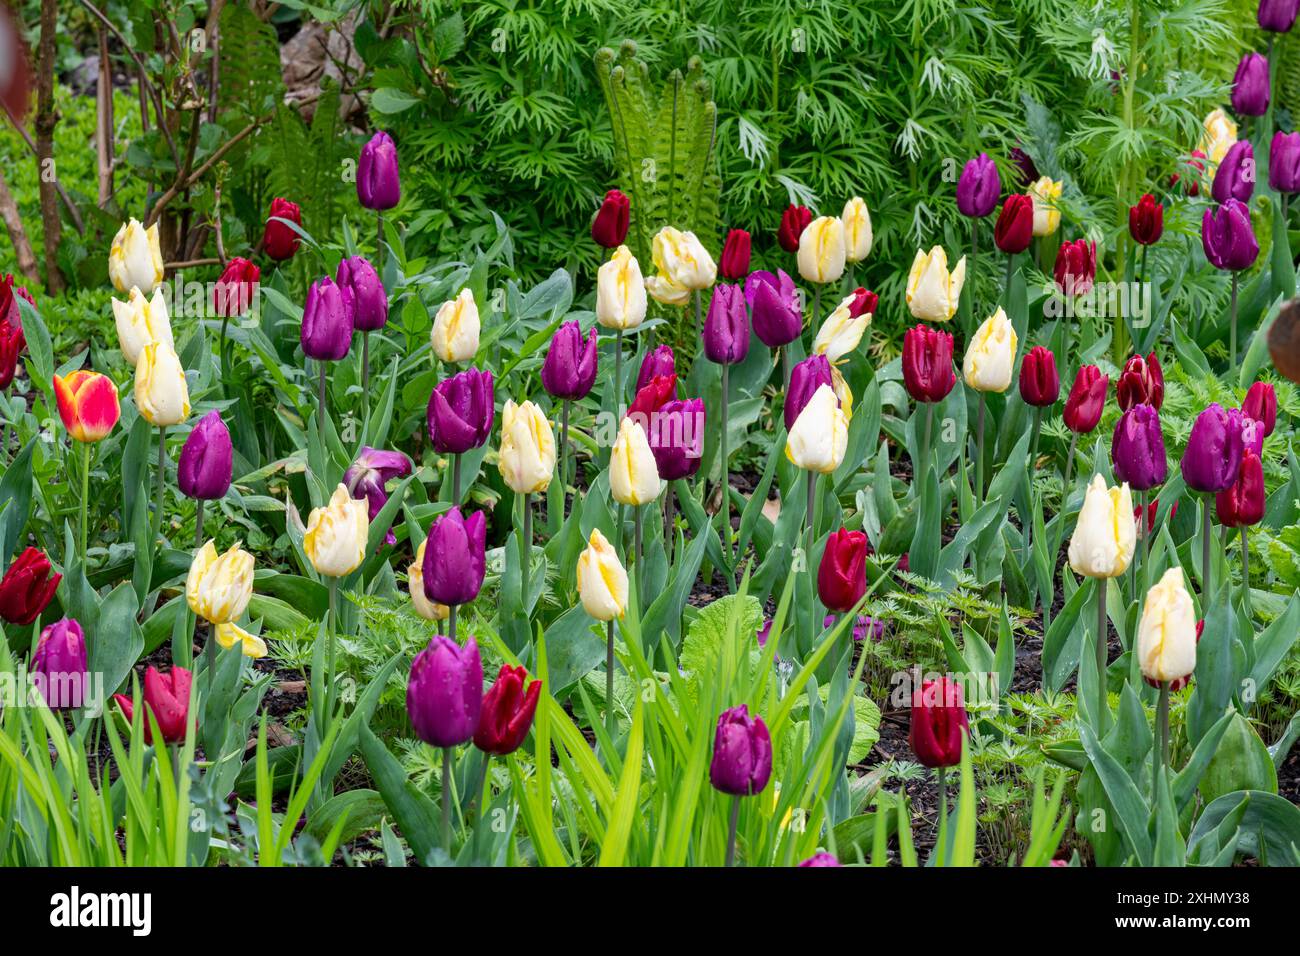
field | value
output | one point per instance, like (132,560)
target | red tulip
(279,241)
(1195,169)
(1015,226)
(12,343)
(1261,404)
(167,697)
(1040,384)
(609,228)
(1146,220)
(842,574)
(507,712)
(927,364)
(1141,383)
(660,389)
(938,723)
(233,293)
(734,264)
(1241,504)
(794,221)
(1152,508)
(27,587)
(1076,267)
(1086,400)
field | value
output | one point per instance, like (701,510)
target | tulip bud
(1076,267)
(842,574)
(1228,237)
(794,221)
(219,587)
(648,400)
(161,393)
(1252,432)
(429,610)
(1040,385)
(775,307)
(602,581)
(1218,134)
(12,343)
(527,456)
(621,292)
(455,558)
(1014,230)
(1284,162)
(229,634)
(1138,449)
(1277,16)
(742,753)
(141,321)
(734,264)
(633,474)
(857,230)
(10,293)
(1141,383)
(1167,632)
(167,698)
(360,282)
(609,228)
(1242,503)
(569,369)
(939,723)
(932,293)
(658,361)
(1028,172)
(59,669)
(327,321)
(507,712)
(460,412)
(1146,220)
(456,329)
(844,328)
(444,695)
(378,184)
(1261,405)
(87,404)
(27,587)
(280,241)
(820,859)
(206,464)
(822,253)
(726,328)
(335,540)
(682,266)
(1152,508)
(1087,399)
(978,187)
(1106,534)
(367,479)
(991,355)
(927,364)
(1235,177)
(1212,459)
(1047,216)
(1250,90)
(234,291)
(805,379)
(135,258)
(820,435)
(676,433)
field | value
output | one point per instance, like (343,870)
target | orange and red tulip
(87,404)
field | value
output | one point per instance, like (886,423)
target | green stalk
(330,629)
(1160,745)
(610,724)
(640,577)
(1245,571)
(160,483)
(618,367)
(447,784)
(1232,327)
(526,550)
(320,403)
(564,460)
(979,453)
(1101,646)
(1207,582)
(726,482)
(812,536)
(1033,467)
(85,496)
(731,831)
(198,524)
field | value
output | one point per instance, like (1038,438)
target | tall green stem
(1101,648)
(85,496)
(639,554)
(610,724)
(1245,571)
(564,459)
(320,402)
(979,453)
(160,484)
(526,550)
(1207,578)
(198,524)
(330,631)
(448,784)
(726,481)
(732,825)
(1033,467)
(808,553)
(1232,326)
(618,370)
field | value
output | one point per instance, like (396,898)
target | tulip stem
(618,371)
(365,376)
(221,353)
(1033,462)
(636,539)
(455,480)
(979,453)
(1245,571)
(1232,327)
(925,449)
(1206,576)
(817,307)
(329,648)
(564,459)
(198,524)
(974,259)
(699,322)
(451,622)
(726,481)
(162,466)
(446,798)
(1160,745)
(526,551)
(812,536)
(1065,498)
(320,403)
(731,831)
(1006,292)
(610,725)
(785,371)
(1102,647)
(85,496)
(379,244)
(670,507)
(941,841)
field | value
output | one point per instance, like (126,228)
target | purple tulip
(805,378)
(207,459)
(1235,177)
(460,412)
(59,668)
(1227,236)
(369,299)
(327,321)
(742,753)
(658,361)
(820,860)
(864,626)
(978,187)
(1250,86)
(378,184)
(1284,162)
(676,435)
(1024,163)
(775,307)
(1138,448)
(1214,449)
(764,632)
(369,475)
(1277,15)
(454,558)
(726,328)
(569,369)
(445,692)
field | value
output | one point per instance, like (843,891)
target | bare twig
(190,264)
(17,234)
(198,174)
(104,122)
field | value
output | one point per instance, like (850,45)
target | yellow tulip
(991,355)
(141,321)
(456,329)
(135,258)
(161,394)
(1167,630)
(841,332)
(1045,193)
(527,456)
(335,541)
(933,293)
(633,474)
(681,260)
(429,610)
(252,646)
(620,292)
(857,230)
(1218,135)
(820,435)
(602,580)
(219,587)
(1106,533)
(822,254)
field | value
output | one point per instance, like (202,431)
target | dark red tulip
(862,302)
(1076,267)
(648,400)
(1141,383)
(938,723)
(1241,504)
(507,712)
(927,364)
(1015,226)
(1152,508)
(12,342)
(1194,169)
(794,221)
(609,228)
(233,294)
(1261,404)
(1040,384)
(842,574)
(167,697)
(279,241)
(1028,171)
(1086,400)
(734,264)
(1146,220)
(10,292)
(27,587)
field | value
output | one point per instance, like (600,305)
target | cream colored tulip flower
(633,474)
(932,292)
(1218,135)
(841,332)
(1167,631)
(822,255)
(620,292)
(429,610)
(527,457)
(161,393)
(337,534)
(141,321)
(1045,193)
(602,580)
(991,355)
(456,329)
(219,587)
(820,435)
(1106,533)
(250,645)
(682,259)
(857,230)
(135,258)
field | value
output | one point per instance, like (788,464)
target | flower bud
(527,455)
(842,574)
(1146,220)
(379,185)
(822,253)
(1167,632)
(1014,230)
(87,404)
(454,558)
(358,278)
(742,753)
(1138,449)
(460,413)
(1076,267)
(609,228)
(820,434)
(336,536)
(1040,385)
(280,241)
(978,187)
(726,328)
(234,291)
(327,321)
(734,264)
(857,230)
(1250,91)
(1106,533)
(1087,399)
(1228,237)
(927,364)
(602,581)
(444,695)
(569,369)
(135,258)
(1242,503)
(621,292)
(141,321)
(1141,383)
(1235,177)
(59,669)
(27,587)
(206,465)
(794,221)
(1046,193)
(932,292)
(161,393)
(775,307)
(1260,404)
(507,712)
(991,355)
(844,327)
(633,473)
(167,698)
(219,587)
(455,333)
(1212,459)
(939,723)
